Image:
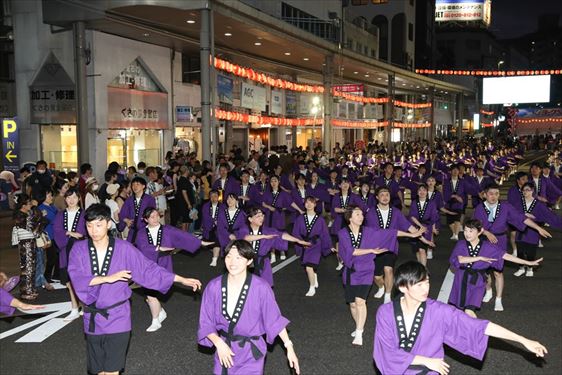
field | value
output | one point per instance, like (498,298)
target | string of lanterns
(487,113)
(357,124)
(265,79)
(370,100)
(539,120)
(410,125)
(499,73)
(263,120)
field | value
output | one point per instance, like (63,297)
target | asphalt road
(319,328)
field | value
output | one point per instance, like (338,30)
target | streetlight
(315,109)
(500,63)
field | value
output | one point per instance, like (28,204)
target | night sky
(513,18)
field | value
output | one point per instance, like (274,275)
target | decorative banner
(291,103)
(358,124)
(265,120)
(224,89)
(264,78)
(490,72)
(10,144)
(253,97)
(398,103)
(410,125)
(356,89)
(276,106)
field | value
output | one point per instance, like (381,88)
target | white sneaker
(519,272)
(353,334)
(429,254)
(311,292)
(315,280)
(557,207)
(339,267)
(488,296)
(529,272)
(214,262)
(358,339)
(162,315)
(386,298)
(498,305)
(74,314)
(514,253)
(155,326)
(283,256)
(379,292)
(546,224)
(454,237)
(540,243)
(273,258)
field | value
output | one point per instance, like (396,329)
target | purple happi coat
(256,193)
(131,210)
(339,202)
(396,220)
(316,232)
(168,236)
(281,200)
(256,314)
(359,270)
(208,221)
(228,225)
(230,185)
(262,248)
(449,190)
(505,214)
(319,192)
(365,202)
(426,214)
(244,191)
(438,324)
(5,300)
(61,226)
(83,266)
(469,285)
(543,214)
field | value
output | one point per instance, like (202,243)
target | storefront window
(188,139)
(306,137)
(128,147)
(59,147)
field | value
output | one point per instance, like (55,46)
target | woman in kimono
(237,310)
(130,215)
(528,240)
(100,269)
(156,242)
(209,221)
(424,214)
(471,259)
(231,219)
(264,239)
(69,227)
(411,331)
(358,248)
(276,202)
(312,228)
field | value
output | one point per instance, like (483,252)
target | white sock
(74,311)
(386,297)
(358,332)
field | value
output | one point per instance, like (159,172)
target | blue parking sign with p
(10,144)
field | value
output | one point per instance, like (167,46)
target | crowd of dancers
(246,213)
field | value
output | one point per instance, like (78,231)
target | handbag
(43,241)
(193,214)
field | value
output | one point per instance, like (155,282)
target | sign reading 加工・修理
(10,144)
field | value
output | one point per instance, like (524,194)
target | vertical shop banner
(253,97)
(224,89)
(291,103)
(184,113)
(276,102)
(305,103)
(10,144)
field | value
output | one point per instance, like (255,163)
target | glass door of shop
(116,150)
(131,146)
(59,146)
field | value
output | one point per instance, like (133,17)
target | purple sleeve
(183,240)
(401,221)
(457,250)
(5,301)
(243,232)
(60,233)
(278,242)
(345,251)
(516,218)
(208,312)
(389,358)
(81,274)
(147,273)
(548,216)
(463,333)
(125,213)
(272,320)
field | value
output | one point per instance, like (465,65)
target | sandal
(28,297)
(48,287)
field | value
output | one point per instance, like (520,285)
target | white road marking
(446,287)
(284,263)
(41,333)
(34,323)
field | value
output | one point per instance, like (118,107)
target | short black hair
(141,165)
(311,199)
(408,274)
(528,185)
(519,174)
(349,211)
(380,189)
(85,168)
(138,179)
(97,211)
(213,191)
(422,186)
(535,164)
(108,175)
(148,211)
(492,186)
(473,224)
(41,162)
(253,211)
(71,191)
(244,248)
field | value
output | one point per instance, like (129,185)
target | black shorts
(384,260)
(212,237)
(107,353)
(454,218)
(356,291)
